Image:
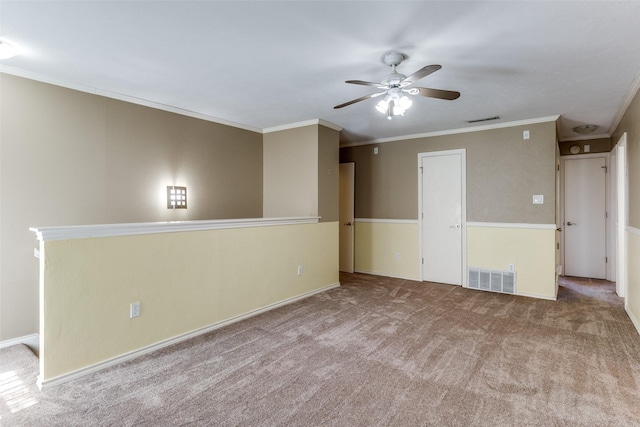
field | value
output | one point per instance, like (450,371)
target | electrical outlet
(134,310)
(299,270)
(398,256)
(512,267)
(526,134)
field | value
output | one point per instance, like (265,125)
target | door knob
(559,229)
(571,223)
(455,226)
(348,223)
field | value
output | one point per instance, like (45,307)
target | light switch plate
(134,310)
(538,199)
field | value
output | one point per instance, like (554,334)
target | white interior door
(347,201)
(442,216)
(585,217)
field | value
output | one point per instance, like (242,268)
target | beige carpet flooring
(374,352)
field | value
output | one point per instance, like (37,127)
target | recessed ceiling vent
(484,120)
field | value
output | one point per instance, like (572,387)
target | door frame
(352,176)
(619,226)
(607,236)
(463,180)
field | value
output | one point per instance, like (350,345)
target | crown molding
(303,124)
(121,97)
(159,106)
(456,131)
(635,86)
(585,137)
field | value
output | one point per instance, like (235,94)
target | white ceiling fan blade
(362,98)
(361,82)
(422,72)
(449,95)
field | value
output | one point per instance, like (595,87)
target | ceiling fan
(395,86)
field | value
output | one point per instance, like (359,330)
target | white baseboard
(635,321)
(175,340)
(32,341)
(521,294)
(377,273)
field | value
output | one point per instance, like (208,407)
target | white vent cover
(492,280)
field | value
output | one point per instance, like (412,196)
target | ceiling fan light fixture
(405,103)
(585,129)
(382,106)
(398,111)
(394,86)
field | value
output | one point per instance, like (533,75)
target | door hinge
(422,261)
(557,245)
(558,168)
(606,214)
(606,259)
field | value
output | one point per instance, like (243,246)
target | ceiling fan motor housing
(394,58)
(393,79)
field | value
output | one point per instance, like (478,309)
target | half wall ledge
(46,234)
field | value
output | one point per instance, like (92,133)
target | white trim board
(635,321)
(32,341)
(166,343)
(632,230)
(388,221)
(536,296)
(377,273)
(512,225)
(110,230)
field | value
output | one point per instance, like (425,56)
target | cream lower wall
(378,243)
(184,281)
(632,303)
(531,250)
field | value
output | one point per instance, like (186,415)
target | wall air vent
(492,280)
(484,120)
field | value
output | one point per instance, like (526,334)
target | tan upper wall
(221,166)
(630,124)
(504,171)
(290,183)
(69,157)
(301,172)
(599,145)
(328,174)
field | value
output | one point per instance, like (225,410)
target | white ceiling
(265,64)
